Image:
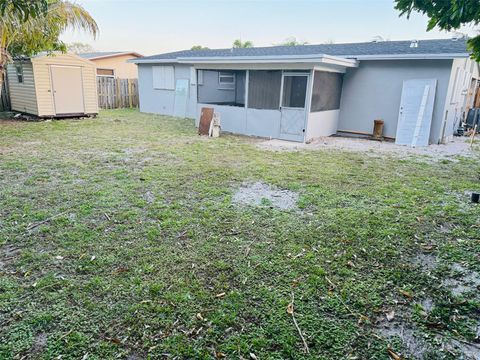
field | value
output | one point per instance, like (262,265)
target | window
(19,72)
(294,91)
(264,89)
(163,77)
(226,78)
(327,91)
(106,72)
(210,91)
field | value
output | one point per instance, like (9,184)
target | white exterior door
(67,88)
(416,110)
(181,98)
(293,106)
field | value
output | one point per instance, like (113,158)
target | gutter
(410,56)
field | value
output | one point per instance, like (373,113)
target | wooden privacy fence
(117,93)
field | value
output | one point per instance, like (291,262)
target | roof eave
(318,58)
(440,56)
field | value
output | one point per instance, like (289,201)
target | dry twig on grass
(290,311)
(33,226)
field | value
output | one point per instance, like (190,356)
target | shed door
(293,106)
(67,87)
(416,110)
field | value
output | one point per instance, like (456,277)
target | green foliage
(446,15)
(238,43)
(199,47)
(24,9)
(22,37)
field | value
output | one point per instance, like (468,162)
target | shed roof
(107,54)
(447,48)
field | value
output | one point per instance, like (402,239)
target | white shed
(54,85)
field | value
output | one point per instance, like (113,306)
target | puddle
(258,194)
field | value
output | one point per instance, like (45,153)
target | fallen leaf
(220,355)
(390,315)
(406,294)
(200,317)
(351,264)
(220,295)
(58,257)
(253,356)
(394,355)
(93,258)
(114,340)
(290,309)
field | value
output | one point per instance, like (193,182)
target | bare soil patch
(257,194)
(457,147)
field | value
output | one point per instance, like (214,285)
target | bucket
(475,197)
(378,129)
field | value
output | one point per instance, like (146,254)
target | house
(55,85)
(418,88)
(114,63)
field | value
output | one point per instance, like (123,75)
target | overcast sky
(156,26)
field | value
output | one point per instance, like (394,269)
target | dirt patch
(457,147)
(8,253)
(258,194)
(39,343)
(427,262)
(149,197)
(467,282)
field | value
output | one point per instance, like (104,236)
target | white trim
(316,58)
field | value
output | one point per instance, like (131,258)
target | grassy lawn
(119,239)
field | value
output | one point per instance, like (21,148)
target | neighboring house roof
(107,54)
(440,48)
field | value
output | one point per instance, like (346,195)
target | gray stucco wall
(373,91)
(162,101)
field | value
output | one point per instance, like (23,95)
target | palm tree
(242,44)
(28,36)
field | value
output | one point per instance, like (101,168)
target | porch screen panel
(327,91)
(264,89)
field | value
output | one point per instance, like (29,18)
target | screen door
(293,101)
(67,88)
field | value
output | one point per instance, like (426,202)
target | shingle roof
(93,55)
(425,47)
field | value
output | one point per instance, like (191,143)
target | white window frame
(108,76)
(226,74)
(163,77)
(199,77)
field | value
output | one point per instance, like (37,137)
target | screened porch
(289,104)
